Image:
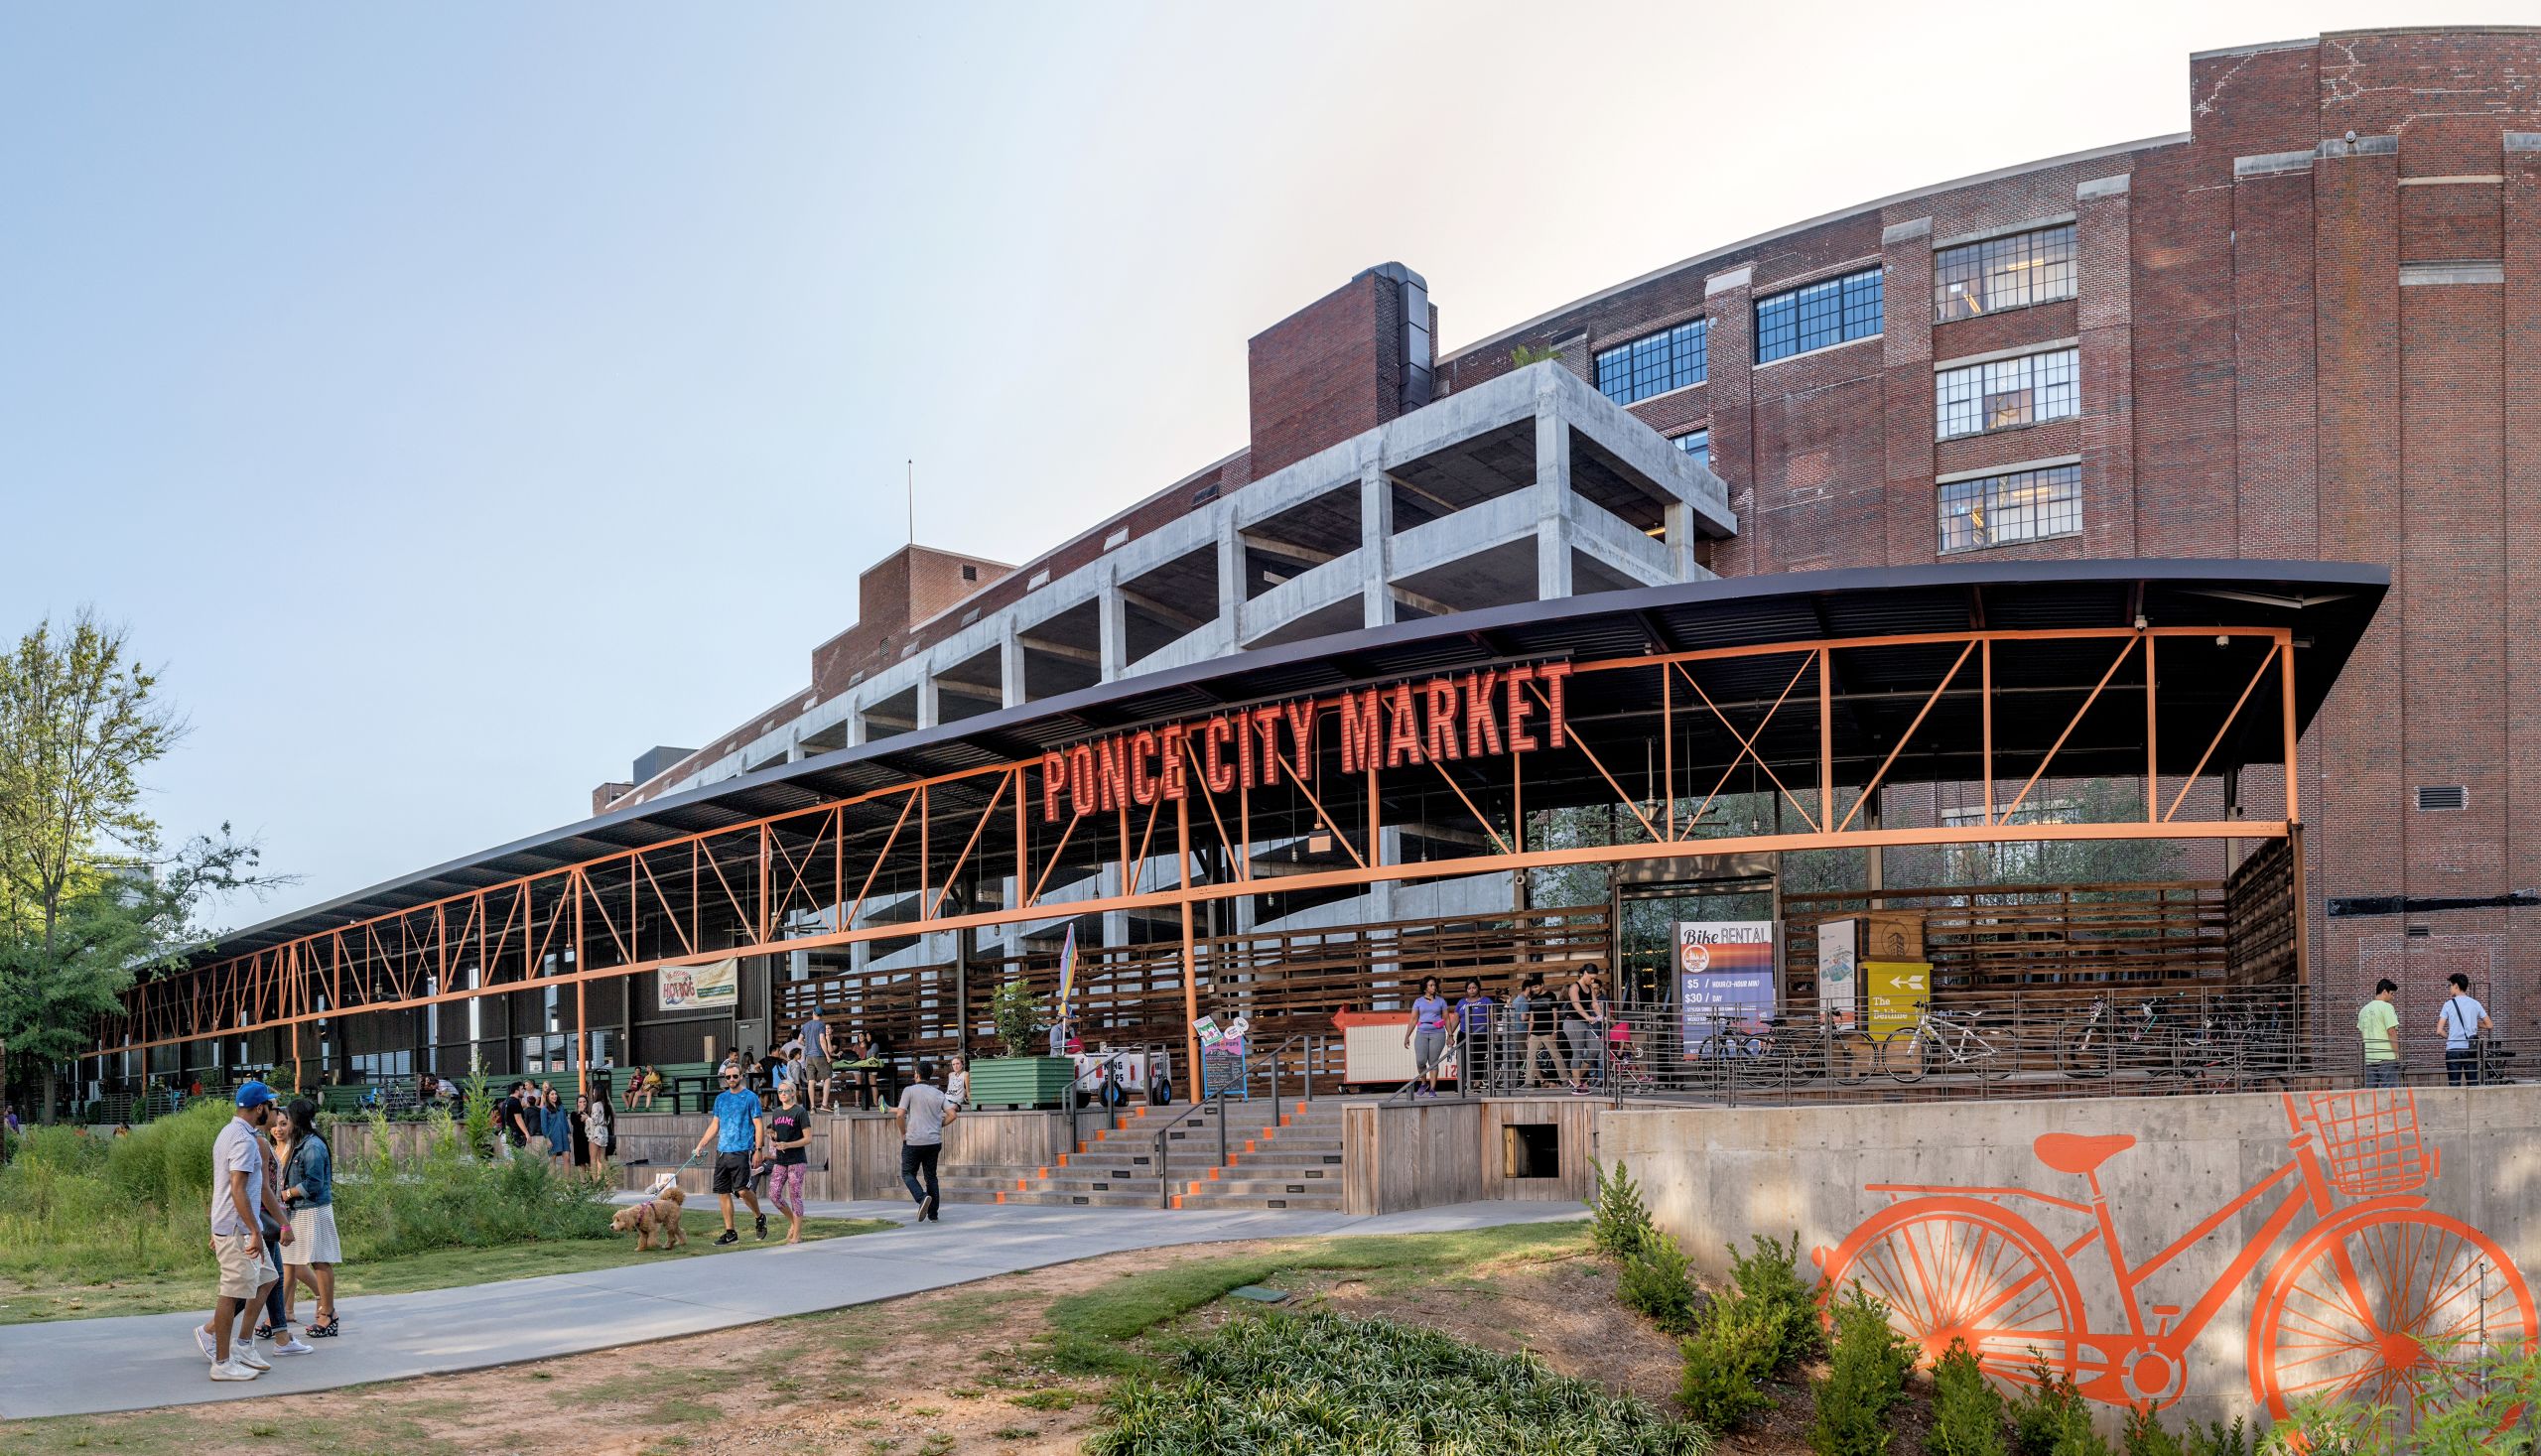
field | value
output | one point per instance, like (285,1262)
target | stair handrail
(1163,1174)
(1306,1063)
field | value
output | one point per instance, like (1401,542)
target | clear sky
(460,399)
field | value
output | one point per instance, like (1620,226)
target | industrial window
(2005,394)
(1834,312)
(1670,360)
(969,574)
(2023,505)
(2003,273)
(2435,798)
(1697,446)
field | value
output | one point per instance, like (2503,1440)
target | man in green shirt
(2379,1024)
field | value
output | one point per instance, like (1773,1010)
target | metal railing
(2124,1044)
(1164,1163)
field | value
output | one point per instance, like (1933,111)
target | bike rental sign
(1724,976)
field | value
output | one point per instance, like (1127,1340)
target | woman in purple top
(1427,1035)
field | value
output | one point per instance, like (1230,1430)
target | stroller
(1624,1065)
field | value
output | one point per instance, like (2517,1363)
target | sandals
(325,1331)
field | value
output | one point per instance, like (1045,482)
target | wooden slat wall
(2265,918)
(1287,983)
(2022,941)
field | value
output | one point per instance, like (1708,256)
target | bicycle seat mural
(2381,1297)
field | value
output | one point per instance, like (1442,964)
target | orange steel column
(2293,777)
(581,1035)
(2152,739)
(1826,738)
(1190,957)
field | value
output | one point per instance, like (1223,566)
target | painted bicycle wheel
(1963,1269)
(2397,1306)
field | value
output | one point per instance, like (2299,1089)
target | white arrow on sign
(1910,983)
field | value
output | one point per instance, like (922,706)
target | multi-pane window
(2021,505)
(1834,312)
(1669,360)
(2003,273)
(1697,446)
(2005,394)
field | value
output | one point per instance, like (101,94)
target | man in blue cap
(237,1191)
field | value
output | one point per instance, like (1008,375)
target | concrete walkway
(90,1367)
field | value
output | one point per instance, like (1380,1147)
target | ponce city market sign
(1443,719)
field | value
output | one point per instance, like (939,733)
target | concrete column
(1679,520)
(930,703)
(1376,542)
(1230,578)
(1010,669)
(1552,500)
(856,734)
(1115,627)
(1380,896)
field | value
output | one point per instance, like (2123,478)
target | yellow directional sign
(1895,992)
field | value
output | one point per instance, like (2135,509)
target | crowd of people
(1572,1030)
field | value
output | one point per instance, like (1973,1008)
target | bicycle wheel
(1991,1062)
(1849,1056)
(2081,1049)
(1959,1268)
(2393,1306)
(1903,1058)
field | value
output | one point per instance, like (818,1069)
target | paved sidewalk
(90,1367)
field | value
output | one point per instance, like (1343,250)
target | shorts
(819,1067)
(244,1271)
(1429,1047)
(731,1172)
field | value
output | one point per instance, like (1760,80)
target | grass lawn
(23,1302)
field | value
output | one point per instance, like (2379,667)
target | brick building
(2295,330)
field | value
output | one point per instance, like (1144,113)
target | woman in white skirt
(309,1191)
(600,1124)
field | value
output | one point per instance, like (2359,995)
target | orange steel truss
(806,879)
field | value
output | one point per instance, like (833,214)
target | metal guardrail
(2120,1045)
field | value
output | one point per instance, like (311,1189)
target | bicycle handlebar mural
(2380,1298)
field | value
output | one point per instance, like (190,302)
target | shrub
(1967,1412)
(2145,1436)
(1655,1283)
(1618,1221)
(2051,1419)
(1770,1276)
(1368,1388)
(1864,1383)
(2217,1440)
(1735,1345)
(1016,1013)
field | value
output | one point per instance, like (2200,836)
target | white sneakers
(244,1352)
(211,1347)
(292,1344)
(244,1364)
(232,1371)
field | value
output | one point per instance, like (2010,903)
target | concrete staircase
(1287,1159)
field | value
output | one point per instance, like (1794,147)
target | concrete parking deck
(92,1367)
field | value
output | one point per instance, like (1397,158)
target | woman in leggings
(1427,1035)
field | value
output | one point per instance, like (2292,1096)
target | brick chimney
(1344,363)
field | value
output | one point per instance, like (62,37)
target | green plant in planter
(1017,1013)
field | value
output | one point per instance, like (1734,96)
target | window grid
(1697,446)
(1673,358)
(2003,273)
(1836,310)
(2023,505)
(2006,394)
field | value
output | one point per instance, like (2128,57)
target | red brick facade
(2258,380)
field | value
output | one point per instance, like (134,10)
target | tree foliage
(90,893)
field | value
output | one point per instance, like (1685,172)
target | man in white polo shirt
(237,1191)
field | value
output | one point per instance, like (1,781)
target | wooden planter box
(1022,1082)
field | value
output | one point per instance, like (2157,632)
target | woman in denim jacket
(309,1191)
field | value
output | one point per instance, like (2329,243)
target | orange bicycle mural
(2381,1298)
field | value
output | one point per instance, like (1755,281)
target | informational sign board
(699,987)
(1839,984)
(1724,970)
(1895,994)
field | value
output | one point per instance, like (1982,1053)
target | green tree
(90,895)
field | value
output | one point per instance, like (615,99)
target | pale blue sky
(460,399)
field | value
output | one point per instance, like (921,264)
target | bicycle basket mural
(2364,1291)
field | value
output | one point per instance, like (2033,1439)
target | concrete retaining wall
(1955,1213)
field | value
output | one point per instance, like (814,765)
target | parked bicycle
(1944,1041)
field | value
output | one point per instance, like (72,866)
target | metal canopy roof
(2326,605)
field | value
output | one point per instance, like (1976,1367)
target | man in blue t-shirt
(740,1136)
